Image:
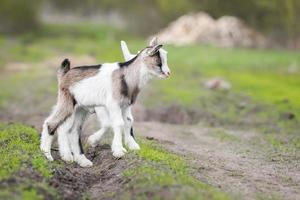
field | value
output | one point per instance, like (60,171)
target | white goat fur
(97,90)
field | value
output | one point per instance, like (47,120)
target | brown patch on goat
(122,89)
(77,74)
(65,101)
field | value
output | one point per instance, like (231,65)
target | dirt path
(243,169)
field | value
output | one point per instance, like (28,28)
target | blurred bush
(275,17)
(19,15)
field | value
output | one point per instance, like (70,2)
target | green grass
(164,175)
(101,42)
(20,154)
(261,74)
(19,147)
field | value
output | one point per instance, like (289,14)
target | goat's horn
(126,53)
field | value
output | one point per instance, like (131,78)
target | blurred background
(277,19)
(235,68)
(228,48)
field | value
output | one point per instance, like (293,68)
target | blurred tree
(277,18)
(274,17)
(18,15)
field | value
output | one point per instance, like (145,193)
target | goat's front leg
(128,130)
(115,114)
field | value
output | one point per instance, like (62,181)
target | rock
(227,31)
(287,116)
(217,83)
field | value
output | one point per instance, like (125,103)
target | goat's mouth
(164,75)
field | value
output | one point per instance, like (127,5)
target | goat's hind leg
(64,145)
(104,120)
(75,138)
(62,110)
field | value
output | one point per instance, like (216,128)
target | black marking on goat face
(127,63)
(88,67)
(158,61)
(131,132)
(124,86)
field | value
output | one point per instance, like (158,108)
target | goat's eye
(159,64)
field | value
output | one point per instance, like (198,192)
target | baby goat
(113,86)
(103,117)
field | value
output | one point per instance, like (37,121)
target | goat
(103,117)
(113,86)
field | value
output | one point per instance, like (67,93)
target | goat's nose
(168,73)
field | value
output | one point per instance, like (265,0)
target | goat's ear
(126,53)
(153,50)
(153,42)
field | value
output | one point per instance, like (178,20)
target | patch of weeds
(160,174)
(224,136)
(284,143)
(24,170)
(31,194)
(262,196)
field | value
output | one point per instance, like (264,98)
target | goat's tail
(63,69)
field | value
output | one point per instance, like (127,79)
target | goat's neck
(136,75)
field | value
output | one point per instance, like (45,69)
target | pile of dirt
(201,28)
(104,178)
(172,114)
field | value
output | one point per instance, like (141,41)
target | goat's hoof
(133,145)
(82,161)
(48,156)
(46,153)
(118,153)
(67,157)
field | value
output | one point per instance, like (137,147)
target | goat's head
(153,57)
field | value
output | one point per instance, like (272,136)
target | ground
(196,142)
